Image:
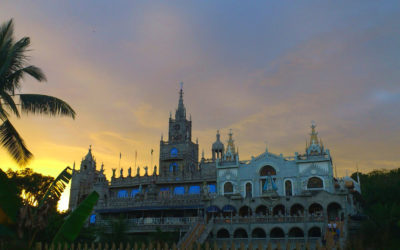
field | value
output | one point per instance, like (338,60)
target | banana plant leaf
(57,187)
(75,221)
(9,201)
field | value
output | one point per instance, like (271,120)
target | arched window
(249,190)
(315,209)
(288,188)
(222,234)
(315,182)
(228,188)
(277,232)
(174,152)
(333,210)
(267,171)
(173,167)
(122,194)
(314,232)
(245,211)
(261,210)
(258,233)
(278,210)
(296,232)
(240,233)
(296,210)
(134,192)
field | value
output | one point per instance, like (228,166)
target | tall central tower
(179,155)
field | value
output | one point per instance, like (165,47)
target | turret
(217,149)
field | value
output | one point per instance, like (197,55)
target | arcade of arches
(275,233)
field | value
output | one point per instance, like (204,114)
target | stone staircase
(207,230)
(330,241)
(192,235)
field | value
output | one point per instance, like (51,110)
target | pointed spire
(181,111)
(231,144)
(89,155)
(202,154)
(313,135)
(162,137)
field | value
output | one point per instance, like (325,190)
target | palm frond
(8,101)
(57,187)
(9,202)
(3,113)
(14,144)
(15,60)
(35,72)
(43,104)
(6,31)
(75,221)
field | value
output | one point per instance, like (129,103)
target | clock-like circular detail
(177,127)
(174,152)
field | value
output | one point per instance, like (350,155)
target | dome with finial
(218,145)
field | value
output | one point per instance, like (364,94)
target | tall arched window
(288,188)
(249,190)
(315,182)
(228,188)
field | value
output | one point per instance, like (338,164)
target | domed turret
(217,148)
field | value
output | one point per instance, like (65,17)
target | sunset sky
(266,69)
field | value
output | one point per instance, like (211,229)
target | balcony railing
(268,219)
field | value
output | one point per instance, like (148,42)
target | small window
(174,152)
(211,188)
(288,188)
(92,219)
(194,190)
(173,167)
(228,187)
(164,189)
(122,194)
(249,190)
(179,190)
(134,192)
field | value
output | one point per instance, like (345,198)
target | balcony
(151,224)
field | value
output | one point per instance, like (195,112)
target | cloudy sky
(266,69)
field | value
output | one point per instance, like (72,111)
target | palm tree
(13,67)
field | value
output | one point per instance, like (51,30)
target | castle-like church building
(269,198)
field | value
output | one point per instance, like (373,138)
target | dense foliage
(381,202)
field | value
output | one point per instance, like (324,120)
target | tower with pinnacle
(179,155)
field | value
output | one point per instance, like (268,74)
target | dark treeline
(380,196)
